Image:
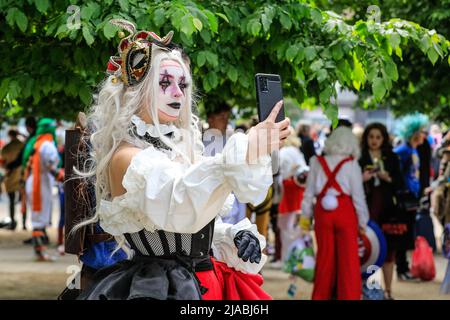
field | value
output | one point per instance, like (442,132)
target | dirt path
(22,278)
(277,283)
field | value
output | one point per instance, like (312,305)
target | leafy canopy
(55,53)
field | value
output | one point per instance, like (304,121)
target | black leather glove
(248,246)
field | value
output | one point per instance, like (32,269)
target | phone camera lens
(263,83)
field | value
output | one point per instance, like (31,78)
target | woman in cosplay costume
(335,180)
(42,158)
(410,130)
(382,183)
(155,191)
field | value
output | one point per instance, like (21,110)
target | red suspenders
(331,183)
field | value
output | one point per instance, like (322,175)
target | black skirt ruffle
(145,278)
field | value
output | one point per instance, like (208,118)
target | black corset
(165,244)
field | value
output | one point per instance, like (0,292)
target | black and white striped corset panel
(162,243)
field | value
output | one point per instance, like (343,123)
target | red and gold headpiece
(135,53)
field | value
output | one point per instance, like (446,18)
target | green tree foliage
(54,54)
(424,79)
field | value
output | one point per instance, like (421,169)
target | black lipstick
(175,105)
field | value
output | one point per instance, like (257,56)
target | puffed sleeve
(358,195)
(177,197)
(225,250)
(292,162)
(302,166)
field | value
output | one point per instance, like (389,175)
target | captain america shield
(371,249)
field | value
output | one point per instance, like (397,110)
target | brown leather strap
(75,209)
(99,237)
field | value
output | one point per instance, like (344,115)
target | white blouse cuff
(225,250)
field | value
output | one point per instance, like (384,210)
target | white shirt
(349,178)
(175,196)
(49,159)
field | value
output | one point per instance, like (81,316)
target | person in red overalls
(335,180)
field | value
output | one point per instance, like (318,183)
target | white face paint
(171,95)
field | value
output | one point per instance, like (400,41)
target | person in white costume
(42,158)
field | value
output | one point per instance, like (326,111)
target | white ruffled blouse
(175,196)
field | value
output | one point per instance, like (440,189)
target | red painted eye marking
(171,64)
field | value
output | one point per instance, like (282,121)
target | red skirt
(225,283)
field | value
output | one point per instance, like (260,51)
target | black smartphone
(268,93)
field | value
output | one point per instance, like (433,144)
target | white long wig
(110,116)
(342,142)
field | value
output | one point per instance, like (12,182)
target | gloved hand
(248,246)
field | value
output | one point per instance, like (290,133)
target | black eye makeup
(165,82)
(167,79)
(182,84)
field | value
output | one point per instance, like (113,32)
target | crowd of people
(385,184)
(359,176)
(388,178)
(179,208)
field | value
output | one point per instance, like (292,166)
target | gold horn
(167,38)
(124,24)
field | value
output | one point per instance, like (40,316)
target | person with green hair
(410,130)
(41,160)
(44,126)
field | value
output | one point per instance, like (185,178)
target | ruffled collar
(143,128)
